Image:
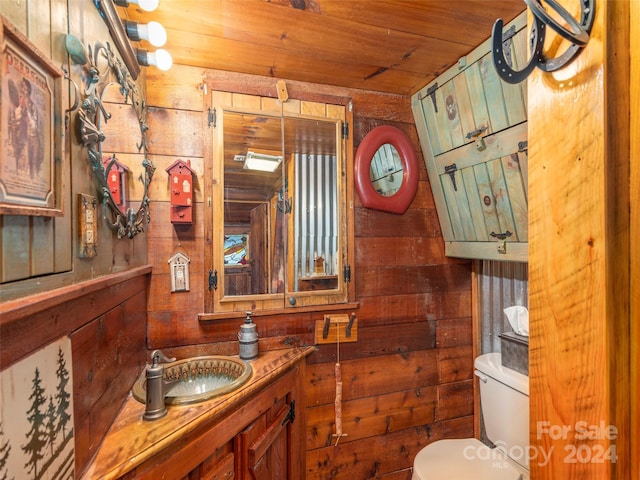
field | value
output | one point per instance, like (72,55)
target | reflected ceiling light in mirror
(147,5)
(152,32)
(262,162)
(161,59)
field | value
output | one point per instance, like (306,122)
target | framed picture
(31,126)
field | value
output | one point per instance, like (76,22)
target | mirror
(283,232)
(111,125)
(386,170)
(253,199)
(311,149)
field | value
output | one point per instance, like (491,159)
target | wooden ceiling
(394,46)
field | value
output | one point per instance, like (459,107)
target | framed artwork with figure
(31,125)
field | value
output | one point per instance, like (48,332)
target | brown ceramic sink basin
(198,379)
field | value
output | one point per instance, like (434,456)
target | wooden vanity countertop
(131,440)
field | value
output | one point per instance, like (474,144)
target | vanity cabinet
(262,438)
(473,132)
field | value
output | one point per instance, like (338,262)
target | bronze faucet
(157,387)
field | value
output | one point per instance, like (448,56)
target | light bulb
(152,32)
(160,58)
(163,59)
(157,35)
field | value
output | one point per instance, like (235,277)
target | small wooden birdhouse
(117,175)
(181,191)
(179,272)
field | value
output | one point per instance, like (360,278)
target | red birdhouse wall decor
(117,179)
(181,191)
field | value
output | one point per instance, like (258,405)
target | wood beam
(579,244)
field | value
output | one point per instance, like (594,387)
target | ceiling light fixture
(262,162)
(152,32)
(147,5)
(161,59)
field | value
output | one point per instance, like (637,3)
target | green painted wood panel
(515,96)
(494,97)
(487,201)
(451,111)
(442,123)
(475,205)
(481,96)
(15,247)
(516,194)
(501,197)
(452,211)
(464,106)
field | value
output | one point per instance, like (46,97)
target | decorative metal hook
(92,113)
(506,72)
(578,35)
(587,15)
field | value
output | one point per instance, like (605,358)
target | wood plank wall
(408,379)
(580,257)
(36,247)
(106,320)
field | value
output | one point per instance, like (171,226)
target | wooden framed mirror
(279,236)
(386,170)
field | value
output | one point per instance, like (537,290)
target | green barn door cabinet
(473,132)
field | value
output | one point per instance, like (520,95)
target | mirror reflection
(281,204)
(253,190)
(311,147)
(386,170)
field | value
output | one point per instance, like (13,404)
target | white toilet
(504,399)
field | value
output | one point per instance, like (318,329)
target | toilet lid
(462,459)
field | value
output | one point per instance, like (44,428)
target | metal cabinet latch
(502,240)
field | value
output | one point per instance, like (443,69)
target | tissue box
(515,352)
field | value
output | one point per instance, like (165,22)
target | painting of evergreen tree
(36,416)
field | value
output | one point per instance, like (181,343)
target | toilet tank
(504,399)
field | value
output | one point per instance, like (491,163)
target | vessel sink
(198,379)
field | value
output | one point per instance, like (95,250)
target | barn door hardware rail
(577,33)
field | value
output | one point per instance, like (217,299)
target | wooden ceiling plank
(394,46)
(260,60)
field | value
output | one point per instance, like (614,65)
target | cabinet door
(470,100)
(485,191)
(265,444)
(473,133)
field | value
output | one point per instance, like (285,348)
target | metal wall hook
(587,14)
(578,35)
(507,73)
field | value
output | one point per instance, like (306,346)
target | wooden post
(635,234)
(579,254)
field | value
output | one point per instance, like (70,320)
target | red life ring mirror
(386,170)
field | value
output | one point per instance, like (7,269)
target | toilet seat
(462,459)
